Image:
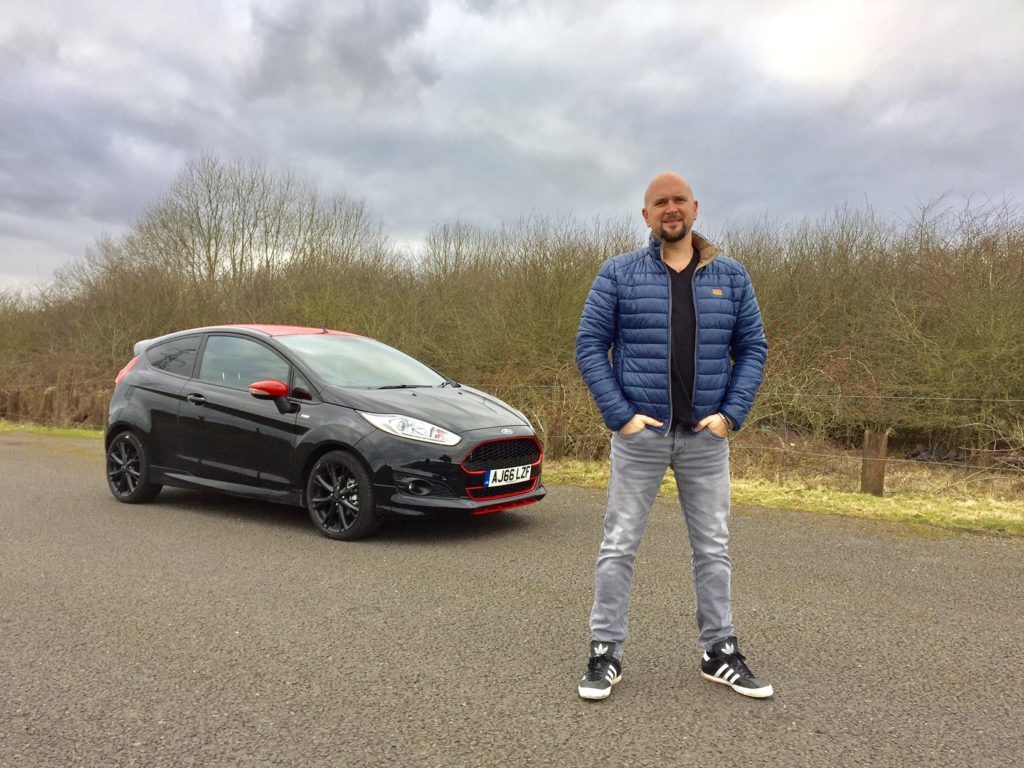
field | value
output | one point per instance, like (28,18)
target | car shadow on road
(213,504)
(420,531)
(412,531)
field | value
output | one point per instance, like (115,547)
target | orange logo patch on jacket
(717,292)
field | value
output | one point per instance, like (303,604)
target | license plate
(507,476)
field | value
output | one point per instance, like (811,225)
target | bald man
(687,357)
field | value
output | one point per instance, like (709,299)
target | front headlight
(414,429)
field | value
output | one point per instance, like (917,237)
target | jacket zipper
(696,330)
(696,341)
(668,279)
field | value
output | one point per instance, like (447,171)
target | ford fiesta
(353,430)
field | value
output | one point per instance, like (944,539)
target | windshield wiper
(448,383)
(403,386)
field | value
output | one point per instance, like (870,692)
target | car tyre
(339,497)
(128,470)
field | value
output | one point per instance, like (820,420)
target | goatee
(667,237)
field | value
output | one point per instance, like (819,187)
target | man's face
(670,208)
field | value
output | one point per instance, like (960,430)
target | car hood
(455,408)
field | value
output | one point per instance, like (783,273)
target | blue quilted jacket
(628,311)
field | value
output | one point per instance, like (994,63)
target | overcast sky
(489,110)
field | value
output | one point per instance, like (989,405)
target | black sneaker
(603,671)
(726,665)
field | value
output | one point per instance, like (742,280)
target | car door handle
(196,399)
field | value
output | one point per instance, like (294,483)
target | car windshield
(352,361)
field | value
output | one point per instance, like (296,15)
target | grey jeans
(700,462)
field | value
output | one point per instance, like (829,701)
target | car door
(227,435)
(171,364)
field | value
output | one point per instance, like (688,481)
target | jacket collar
(707,250)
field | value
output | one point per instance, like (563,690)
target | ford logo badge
(506,431)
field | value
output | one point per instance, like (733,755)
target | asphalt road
(207,631)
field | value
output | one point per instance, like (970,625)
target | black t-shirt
(684,348)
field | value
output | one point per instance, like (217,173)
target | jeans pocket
(631,435)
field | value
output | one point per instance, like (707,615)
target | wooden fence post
(45,413)
(872,468)
(60,398)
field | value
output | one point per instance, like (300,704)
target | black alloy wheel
(339,497)
(128,470)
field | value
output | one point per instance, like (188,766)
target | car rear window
(177,356)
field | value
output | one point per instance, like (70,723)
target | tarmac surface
(207,631)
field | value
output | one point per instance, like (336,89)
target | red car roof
(289,330)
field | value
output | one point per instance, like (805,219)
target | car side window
(177,356)
(236,362)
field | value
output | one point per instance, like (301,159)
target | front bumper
(416,479)
(406,505)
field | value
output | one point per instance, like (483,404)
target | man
(687,358)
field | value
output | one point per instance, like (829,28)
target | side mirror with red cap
(272,389)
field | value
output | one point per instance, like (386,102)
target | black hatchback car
(348,427)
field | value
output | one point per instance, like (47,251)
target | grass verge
(35,429)
(972,514)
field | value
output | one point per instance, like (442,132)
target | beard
(669,237)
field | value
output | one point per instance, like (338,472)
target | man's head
(670,207)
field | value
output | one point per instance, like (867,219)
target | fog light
(420,487)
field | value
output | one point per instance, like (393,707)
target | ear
(647,219)
(696,208)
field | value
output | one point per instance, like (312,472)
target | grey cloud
(489,7)
(755,147)
(22,45)
(414,178)
(62,157)
(353,49)
(70,151)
